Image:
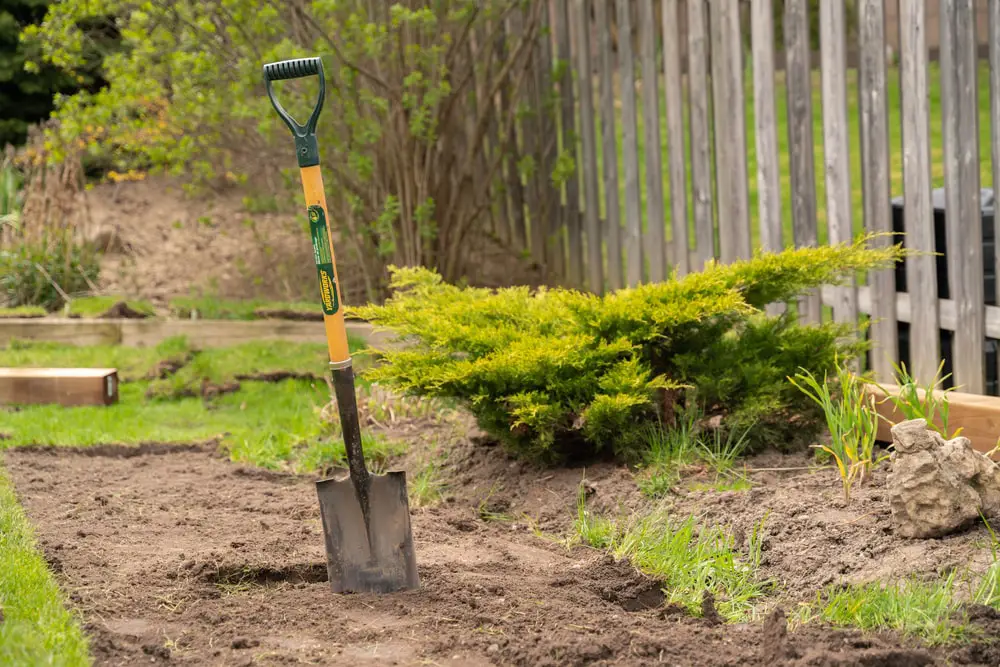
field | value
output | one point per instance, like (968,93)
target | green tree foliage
(402,139)
(26,97)
(556,372)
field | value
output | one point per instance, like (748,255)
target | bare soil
(174,555)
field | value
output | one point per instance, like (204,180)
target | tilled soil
(176,556)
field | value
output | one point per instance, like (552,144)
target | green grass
(95,306)
(687,558)
(36,628)
(270,424)
(214,308)
(22,311)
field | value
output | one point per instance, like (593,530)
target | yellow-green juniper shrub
(556,372)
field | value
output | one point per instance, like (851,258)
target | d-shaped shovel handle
(306,147)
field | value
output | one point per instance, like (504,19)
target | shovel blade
(356,564)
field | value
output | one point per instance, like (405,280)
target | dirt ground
(174,555)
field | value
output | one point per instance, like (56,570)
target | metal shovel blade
(373,558)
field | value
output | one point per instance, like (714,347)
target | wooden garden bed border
(150,332)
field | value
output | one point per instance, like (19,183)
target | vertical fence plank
(512,181)
(994,59)
(960,105)
(730,132)
(630,151)
(571,210)
(655,221)
(530,139)
(609,144)
(919,224)
(701,165)
(548,216)
(766,131)
(837,166)
(873,102)
(800,138)
(588,153)
(673,93)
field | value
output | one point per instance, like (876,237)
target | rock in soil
(938,486)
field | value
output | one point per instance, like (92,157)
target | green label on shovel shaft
(324,260)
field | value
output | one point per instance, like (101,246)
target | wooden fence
(756,157)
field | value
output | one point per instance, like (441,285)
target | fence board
(873,103)
(961,162)
(835,144)
(768,182)
(630,151)
(571,209)
(554,257)
(655,220)
(588,152)
(730,132)
(530,125)
(994,59)
(919,224)
(800,138)
(673,93)
(701,165)
(512,179)
(609,144)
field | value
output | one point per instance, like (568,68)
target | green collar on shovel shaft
(306,146)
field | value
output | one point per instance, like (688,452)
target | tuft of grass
(920,402)
(37,628)
(686,557)
(22,311)
(928,610)
(427,486)
(851,418)
(95,306)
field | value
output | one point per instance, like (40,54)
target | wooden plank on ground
(655,220)
(673,93)
(609,144)
(588,147)
(921,272)
(800,139)
(960,116)
(58,386)
(571,209)
(978,416)
(701,164)
(873,103)
(730,132)
(630,150)
(836,160)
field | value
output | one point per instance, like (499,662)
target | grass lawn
(895,148)
(213,308)
(269,424)
(35,626)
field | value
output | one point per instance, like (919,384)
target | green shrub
(555,372)
(69,265)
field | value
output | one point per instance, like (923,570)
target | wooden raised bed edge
(978,416)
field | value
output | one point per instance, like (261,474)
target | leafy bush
(556,372)
(30,271)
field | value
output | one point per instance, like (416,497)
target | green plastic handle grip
(306,146)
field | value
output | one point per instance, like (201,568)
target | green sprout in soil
(928,402)
(35,626)
(427,486)
(851,418)
(687,558)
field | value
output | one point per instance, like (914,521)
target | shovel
(366,518)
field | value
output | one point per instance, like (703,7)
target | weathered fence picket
(701,141)
(630,150)
(673,93)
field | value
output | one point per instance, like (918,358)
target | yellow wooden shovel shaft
(336,332)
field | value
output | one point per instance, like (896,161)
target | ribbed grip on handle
(291,69)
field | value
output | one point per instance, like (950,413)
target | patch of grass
(928,610)
(22,311)
(214,308)
(95,306)
(133,363)
(36,629)
(920,402)
(427,486)
(670,452)
(686,557)
(851,418)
